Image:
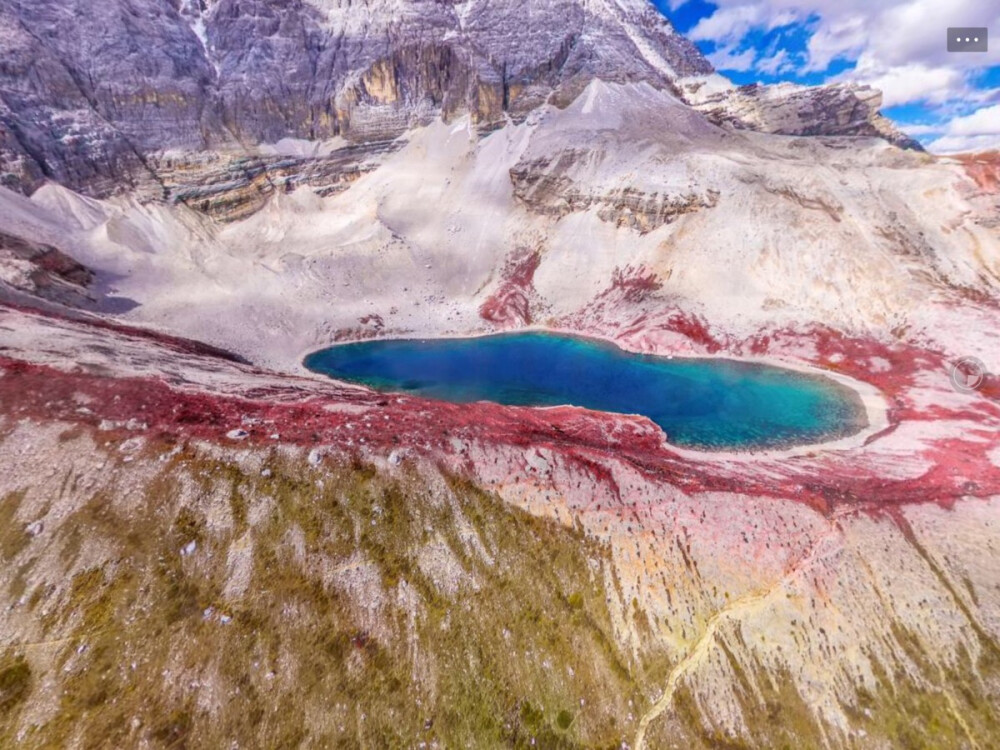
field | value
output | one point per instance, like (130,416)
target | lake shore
(869,398)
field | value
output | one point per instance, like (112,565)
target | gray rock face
(787,109)
(44,271)
(545,186)
(88,88)
(90,91)
(235,188)
(129,94)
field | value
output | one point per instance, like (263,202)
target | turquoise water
(715,404)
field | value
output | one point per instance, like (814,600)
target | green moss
(189,526)
(15,683)
(174,729)
(351,639)
(298,657)
(13,537)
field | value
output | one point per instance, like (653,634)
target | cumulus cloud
(910,82)
(836,38)
(729,25)
(985,121)
(898,45)
(959,144)
(727,58)
(775,63)
(974,132)
(918,128)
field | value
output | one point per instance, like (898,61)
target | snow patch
(588,104)
(191,11)
(994,457)
(302,148)
(648,52)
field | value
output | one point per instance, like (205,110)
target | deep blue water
(700,403)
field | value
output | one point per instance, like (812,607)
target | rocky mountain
(91,93)
(122,95)
(45,272)
(203,543)
(788,109)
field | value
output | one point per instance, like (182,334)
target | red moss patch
(510,305)
(984,169)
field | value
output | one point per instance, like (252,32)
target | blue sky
(949,101)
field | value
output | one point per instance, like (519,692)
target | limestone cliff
(788,109)
(89,92)
(99,97)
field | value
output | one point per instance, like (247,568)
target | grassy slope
(364,609)
(313,653)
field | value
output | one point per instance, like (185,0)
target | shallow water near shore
(700,403)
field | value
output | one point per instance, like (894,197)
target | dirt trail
(732,611)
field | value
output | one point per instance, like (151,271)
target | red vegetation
(695,329)
(940,445)
(634,284)
(984,169)
(172,343)
(374,321)
(586,443)
(510,305)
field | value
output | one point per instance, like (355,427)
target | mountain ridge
(92,97)
(202,542)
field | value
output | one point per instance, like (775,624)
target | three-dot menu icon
(968,39)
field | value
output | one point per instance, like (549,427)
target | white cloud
(917,128)
(729,24)
(732,24)
(909,82)
(899,45)
(840,37)
(985,121)
(728,58)
(777,62)
(977,131)
(957,144)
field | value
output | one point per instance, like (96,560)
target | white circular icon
(967,374)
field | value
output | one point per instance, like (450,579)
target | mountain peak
(143,76)
(93,96)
